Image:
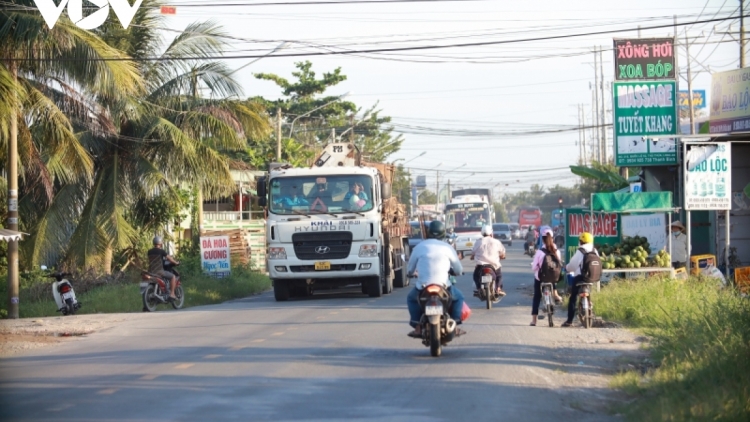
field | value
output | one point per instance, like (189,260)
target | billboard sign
(605,227)
(708,177)
(730,101)
(699,99)
(645,109)
(644,59)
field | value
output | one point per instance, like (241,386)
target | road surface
(334,356)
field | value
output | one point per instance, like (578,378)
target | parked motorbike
(155,289)
(548,302)
(438,328)
(62,291)
(585,306)
(488,292)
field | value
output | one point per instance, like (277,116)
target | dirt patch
(19,335)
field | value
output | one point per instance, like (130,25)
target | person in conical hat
(679,252)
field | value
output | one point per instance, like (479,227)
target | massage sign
(644,59)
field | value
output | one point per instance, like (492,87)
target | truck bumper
(352,267)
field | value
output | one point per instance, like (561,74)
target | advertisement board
(645,109)
(605,227)
(708,177)
(644,59)
(215,255)
(699,99)
(730,101)
(651,226)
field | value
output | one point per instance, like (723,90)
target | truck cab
(331,226)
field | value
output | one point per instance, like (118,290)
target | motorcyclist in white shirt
(488,251)
(432,260)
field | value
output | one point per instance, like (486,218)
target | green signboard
(645,109)
(605,227)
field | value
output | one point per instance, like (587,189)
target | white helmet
(486,230)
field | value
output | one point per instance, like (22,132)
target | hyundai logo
(322,249)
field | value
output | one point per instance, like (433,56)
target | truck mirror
(386,190)
(262,193)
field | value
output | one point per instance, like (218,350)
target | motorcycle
(531,250)
(438,328)
(585,306)
(488,292)
(155,289)
(548,301)
(62,291)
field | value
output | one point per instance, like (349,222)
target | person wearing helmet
(488,251)
(433,259)
(585,245)
(156,257)
(530,238)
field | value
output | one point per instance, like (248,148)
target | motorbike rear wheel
(71,307)
(435,347)
(177,304)
(149,298)
(549,315)
(488,295)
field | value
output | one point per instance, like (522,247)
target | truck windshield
(467,217)
(321,194)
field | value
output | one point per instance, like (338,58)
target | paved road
(338,356)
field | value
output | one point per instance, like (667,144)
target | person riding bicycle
(530,238)
(539,242)
(156,257)
(536,265)
(488,251)
(433,259)
(574,268)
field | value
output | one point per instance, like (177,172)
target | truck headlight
(368,251)
(276,253)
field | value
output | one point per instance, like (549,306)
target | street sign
(605,227)
(644,109)
(699,99)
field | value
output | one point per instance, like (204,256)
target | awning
(632,202)
(8,235)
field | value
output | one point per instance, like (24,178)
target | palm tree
(146,143)
(44,75)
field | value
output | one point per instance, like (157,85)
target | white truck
(334,224)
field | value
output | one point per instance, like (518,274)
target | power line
(393,49)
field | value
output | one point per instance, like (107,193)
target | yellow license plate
(322,266)
(469,244)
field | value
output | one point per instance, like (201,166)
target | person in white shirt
(679,245)
(488,251)
(433,259)
(536,265)
(585,244)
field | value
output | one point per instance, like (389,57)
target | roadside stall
(644,246)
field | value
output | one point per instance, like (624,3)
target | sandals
(567,324)
(414,334)
(533,324)
(459,332)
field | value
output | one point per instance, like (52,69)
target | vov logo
(51,12)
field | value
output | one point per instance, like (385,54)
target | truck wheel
(374,287)
(280,290)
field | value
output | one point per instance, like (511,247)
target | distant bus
(530,215)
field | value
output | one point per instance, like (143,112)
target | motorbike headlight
(368,251)
(276,253)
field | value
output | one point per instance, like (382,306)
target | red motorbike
(155,290)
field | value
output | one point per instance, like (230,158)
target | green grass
(700,344)
(125,297)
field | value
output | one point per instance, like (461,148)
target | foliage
(104,144)
(309,117)
(700,343)
(402,186)
(600,177)
(501,216)
(427,197)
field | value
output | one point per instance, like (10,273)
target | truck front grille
(322,246)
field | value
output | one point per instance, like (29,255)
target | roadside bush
(700,341)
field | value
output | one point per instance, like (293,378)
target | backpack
(550,269)
(591,267)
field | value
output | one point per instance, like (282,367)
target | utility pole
(583,134)
(580,130)
(742,33)
(437,189)
(596,107)
(351,122)
(333,134)
(604,107)
(13,203)
(690,86)
(278,135)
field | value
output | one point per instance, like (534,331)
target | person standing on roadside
(679,245)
